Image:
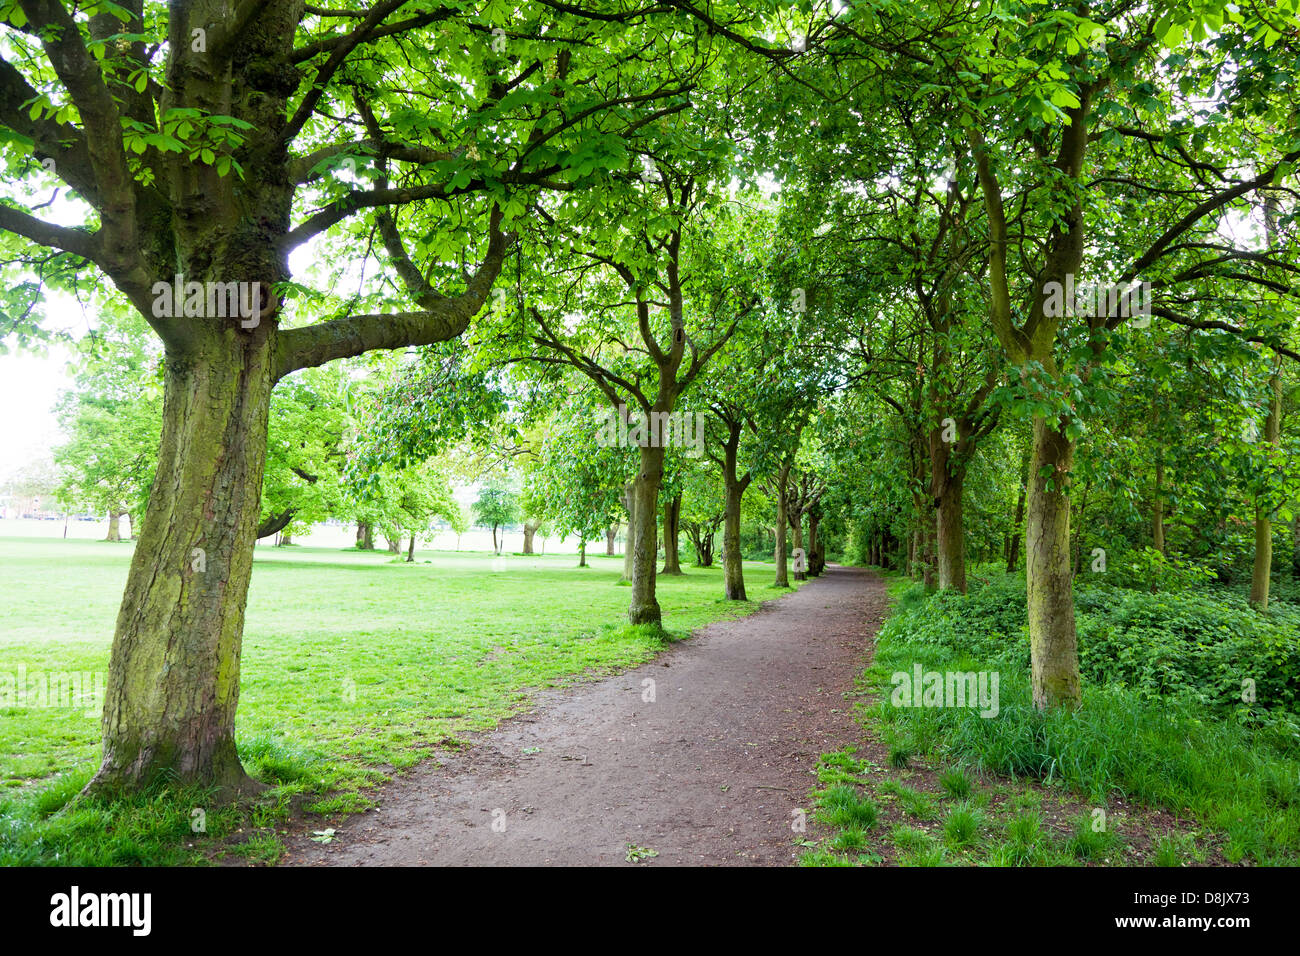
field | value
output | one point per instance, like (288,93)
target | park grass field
(354,664)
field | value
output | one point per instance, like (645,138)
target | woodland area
(995,296)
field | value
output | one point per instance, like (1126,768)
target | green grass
(353,666)
(1242,781)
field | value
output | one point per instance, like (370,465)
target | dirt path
(707,773)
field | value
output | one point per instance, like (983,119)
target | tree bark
(394,545)
(173,677)
(530,529)
(582,554)
(410,551)
(114,526)
(947,482)
(610,534)
(672,535)
(365,536)
(645,607)
(1052,638)
(796,541)
(1262,571)
(779,548)
(1158,510)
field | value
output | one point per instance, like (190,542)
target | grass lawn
(353,664)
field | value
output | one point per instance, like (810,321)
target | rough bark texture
(365,536)
(530,531)
(947,481)
(645,607)
(173,681)
(1052,638)
(782,520)
(796,543)
(1158,510)
(733,573)
(672,535)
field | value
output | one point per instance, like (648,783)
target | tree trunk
(610,534)
(1053,643)
(733,572)
(285,539)
(173,676)
(1263,569)
(582,554)
(1158,510)
(410,551)
(779,549)
(947,482)
(930,541)
(365,536)
(114,526)
(394,545)
(530,529)
(672,536)
(796,539)
(645,607)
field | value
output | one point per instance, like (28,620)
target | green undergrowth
(1159,727)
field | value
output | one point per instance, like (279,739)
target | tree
(496,507)
(203,144)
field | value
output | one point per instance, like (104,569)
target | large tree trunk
(114,526)
(394,544)
(672,535)
(1053,643)
(796,541)
(779,549)
(1263,569)
(365,536)
(733,573)
(610,534)
(645,607)
(947,481)
(530,529)
(173,677)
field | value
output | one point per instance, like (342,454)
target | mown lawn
(353,663)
